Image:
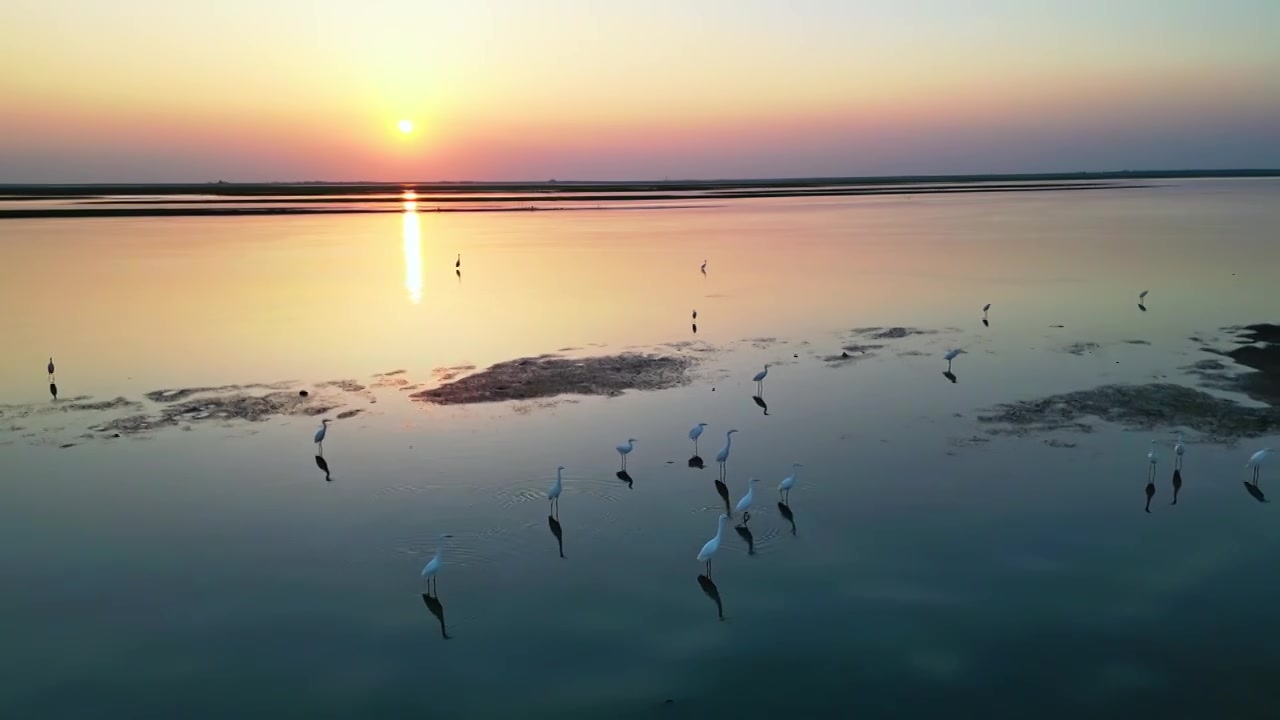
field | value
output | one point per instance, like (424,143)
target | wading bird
(744,505)
(324,430)
(784,487)
(709,550)
(694,434)
(433,567)
(625,450)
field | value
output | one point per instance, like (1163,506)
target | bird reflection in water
(785,510)
(556,530)
(723,491)
(697,463)
(949,375)
(433,605)
(712,592)
(761,403)
(625,477)
(53,390)
(745,533)
(324,467)
(1151,491)
(1142,307)
(985,323)
(695,328)
(1177,485)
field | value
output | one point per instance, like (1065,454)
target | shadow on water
(1177,485)
(1151,490)
(949,375)
(759,401)
(554,523)
(745,533)
(723,491)
(785,511)
(1142,307)
(985,323)
(324,467)
(712,592)
(695,328)
(433,604)
(625,477)
(1255,492)
(696,462)
(53,390)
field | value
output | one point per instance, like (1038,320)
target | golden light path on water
(412,248)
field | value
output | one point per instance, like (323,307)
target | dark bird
(50,366)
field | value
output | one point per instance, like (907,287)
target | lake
(927,561)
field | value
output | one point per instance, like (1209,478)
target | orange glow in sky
(289,90)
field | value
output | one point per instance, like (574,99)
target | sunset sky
(157,90)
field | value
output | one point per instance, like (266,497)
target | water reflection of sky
(926,570)
(412,248)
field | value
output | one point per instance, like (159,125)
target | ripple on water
(486,547)
(605,489)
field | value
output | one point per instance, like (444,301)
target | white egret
(759,378)
(713,544)
(784,487)
(1256,461)
(1152,458)
(744,505)
(625,450)
(723,456)
(324,429)
(554,493)
(50,366)
(694,434)
(951,355)
(433,567)
(1179,449)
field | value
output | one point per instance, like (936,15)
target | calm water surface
(215,573)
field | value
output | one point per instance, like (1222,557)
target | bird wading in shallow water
(554,493)
(433,566)
(951,355)
(625,449)
(784,487)
(695,433)
(709,550)
(759,379)
(744,505)
(324,430)
(1255,462)
(722,457)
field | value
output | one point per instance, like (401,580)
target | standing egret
(694,434)
(1256,461)
(625,450)
(50,367)
(723,456)
(1178,450)
(433,567)
(759,378)
(744,505)
(784,487)
(951,355)
(324,429)
(1143,295)
(457,264)
(1152,458)
(712,545)
(704,267)
(554,493)
(985,308)
(695,314)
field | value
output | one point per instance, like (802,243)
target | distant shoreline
(230,199)
(62,190)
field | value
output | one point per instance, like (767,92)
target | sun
(406,126)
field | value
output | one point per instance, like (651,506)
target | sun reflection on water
(412,247)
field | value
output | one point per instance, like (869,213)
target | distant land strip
(82,190)
(486,203)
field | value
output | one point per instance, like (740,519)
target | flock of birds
(743,507)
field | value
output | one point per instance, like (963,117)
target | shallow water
(209,570)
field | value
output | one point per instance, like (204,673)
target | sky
(284,90)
